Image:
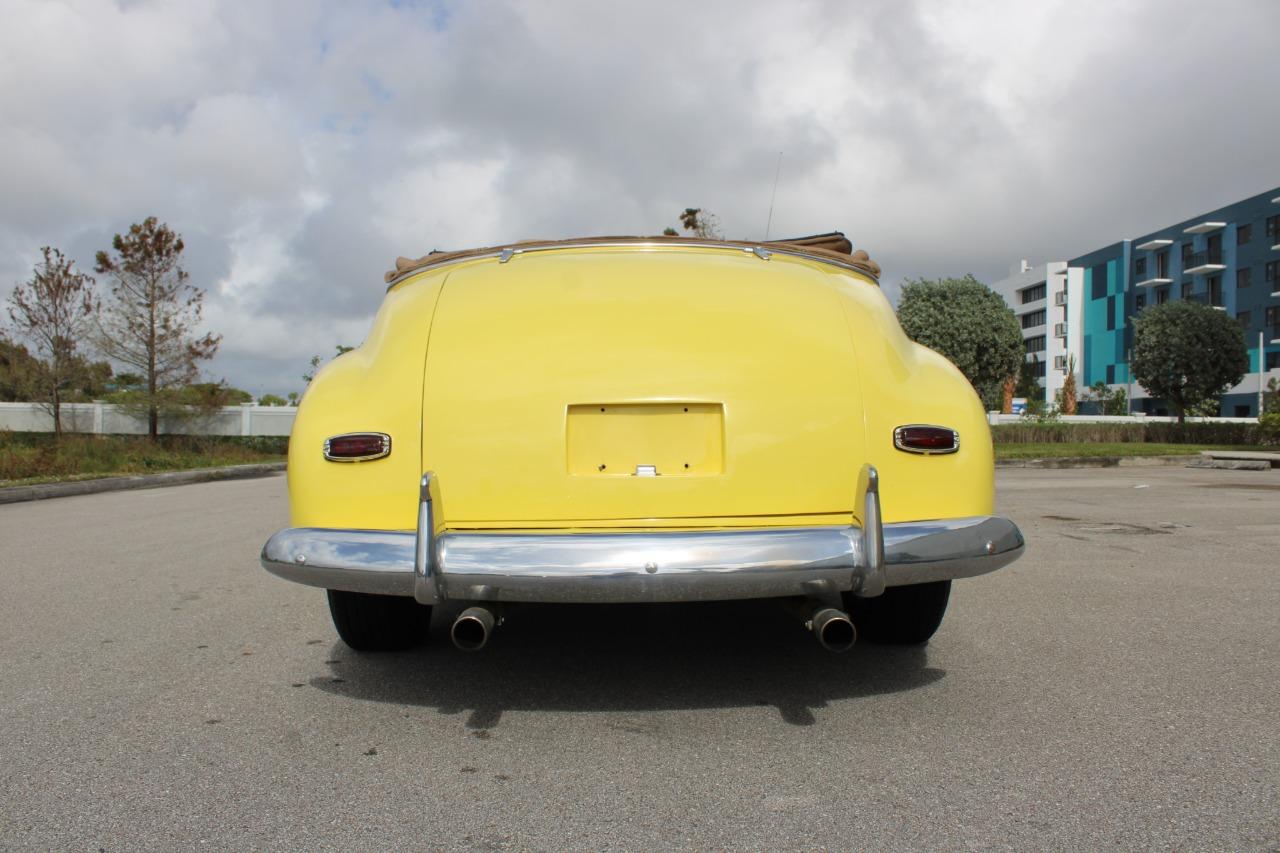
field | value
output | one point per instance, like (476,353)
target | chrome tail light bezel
(900,437)
(384,446)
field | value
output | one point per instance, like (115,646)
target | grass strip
(25,460)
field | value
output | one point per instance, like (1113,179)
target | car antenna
(774,195)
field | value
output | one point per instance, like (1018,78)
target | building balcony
(1203,262)
(1274,237)
(1273,334)
(1059,330)
(1060,298)
(1212,300)
(1204,227)
(1152,245)
(1154,281)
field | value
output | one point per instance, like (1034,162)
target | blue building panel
(1233,260)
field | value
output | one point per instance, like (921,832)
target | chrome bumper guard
(644,566)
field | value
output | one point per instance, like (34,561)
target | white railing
(105,418)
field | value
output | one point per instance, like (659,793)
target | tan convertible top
(833,246)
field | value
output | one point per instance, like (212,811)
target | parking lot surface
(1118,686)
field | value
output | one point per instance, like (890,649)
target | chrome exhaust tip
(833,629)
(472,629)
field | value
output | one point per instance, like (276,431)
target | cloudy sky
(299,147)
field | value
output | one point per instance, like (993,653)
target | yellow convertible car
(639,419)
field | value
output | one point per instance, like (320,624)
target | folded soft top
(832,246)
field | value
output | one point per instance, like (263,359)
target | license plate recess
(645,439)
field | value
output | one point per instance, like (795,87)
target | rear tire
(378,623)
(903,615)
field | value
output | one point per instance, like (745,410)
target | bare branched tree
(701,223)
(53,312)
(150,321)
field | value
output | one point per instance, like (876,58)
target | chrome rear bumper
(643,566)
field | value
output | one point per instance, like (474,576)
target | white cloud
(301,146)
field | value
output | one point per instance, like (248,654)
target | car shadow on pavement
(582,658)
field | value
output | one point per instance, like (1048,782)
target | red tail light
(357,447)
(929,440)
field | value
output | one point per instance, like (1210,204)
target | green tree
(54,312)
(272,400)
(1029,386)
(1187,353)
(127,381)
(316,361)
(18,369)
(149,323)
(970,324)
(1110,401)
(213,395)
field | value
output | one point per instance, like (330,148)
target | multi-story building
(1228,258)
(1048,308)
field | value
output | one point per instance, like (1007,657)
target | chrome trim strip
(426,562)
(871,581)
(385,451)
(637,567)
(506,254)
(897,440)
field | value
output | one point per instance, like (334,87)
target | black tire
(902,616)
(378,623)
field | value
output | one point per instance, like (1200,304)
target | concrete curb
(1097,462)
(42,491)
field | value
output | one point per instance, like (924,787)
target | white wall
(105,418)
(1058,278)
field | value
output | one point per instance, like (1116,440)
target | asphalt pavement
(1117,687)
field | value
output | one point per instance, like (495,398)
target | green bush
(1123,433)
(1269,429)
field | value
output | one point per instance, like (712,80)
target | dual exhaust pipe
(473,628)
(831,627)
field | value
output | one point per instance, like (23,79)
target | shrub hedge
(1158,432)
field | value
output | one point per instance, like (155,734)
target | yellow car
(639,420)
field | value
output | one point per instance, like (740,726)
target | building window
(1244,233)
(1243,411)
(1215,290)
(1140,266)
(1245,319)
(1039,368)
(1273,228)
(1162,263)
(1111,374)
(1162,295)
(1033,293)
(1186,290)
(1187,252)
(1032,319)
(1273,317)
(1035,343)
(1140,301)
(1244,278)
(1273,360)
(1272,274)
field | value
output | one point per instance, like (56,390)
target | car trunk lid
(631,386)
